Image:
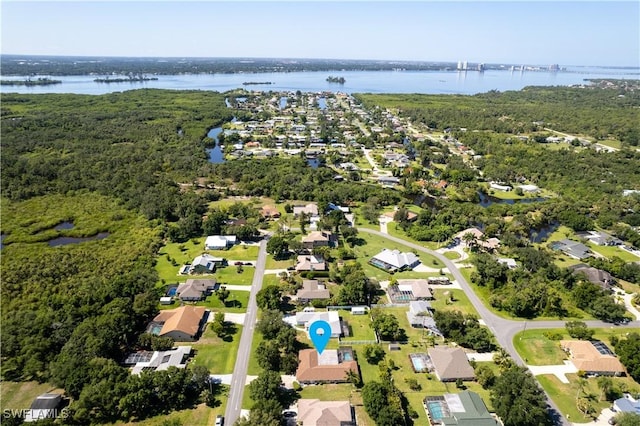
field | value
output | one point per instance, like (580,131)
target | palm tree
(605,384)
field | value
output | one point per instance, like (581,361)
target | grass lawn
(564,395)
(237,302)
(328,392)
(534,346)
(230,275)
(360,326)
(218,355)
(610,251)
(375,244)
(20,395)
(254,369)
(200,415)
(270,279)
(536,349)
(453,255)
(183,253)
(460,301)
(613,143)
(280,264)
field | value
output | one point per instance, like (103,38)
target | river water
(431,82)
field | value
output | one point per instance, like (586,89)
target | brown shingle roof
(324,413)
(309,370)
(313,289)
(586,357)
(451,363)
(186,319)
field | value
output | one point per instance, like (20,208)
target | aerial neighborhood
(462,284)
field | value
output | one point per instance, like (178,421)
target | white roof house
(394,260)
(162,360)
(332,317)
(219,242)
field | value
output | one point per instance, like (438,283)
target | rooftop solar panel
(602,347)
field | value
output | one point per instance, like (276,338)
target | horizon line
(411,61)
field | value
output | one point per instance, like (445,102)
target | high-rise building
(459,65)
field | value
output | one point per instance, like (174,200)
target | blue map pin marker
(320,333)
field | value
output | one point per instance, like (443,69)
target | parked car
(219,420)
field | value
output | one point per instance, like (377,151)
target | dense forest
(61,65)
(591,111)
(133,145)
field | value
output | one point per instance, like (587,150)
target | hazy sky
(542,32)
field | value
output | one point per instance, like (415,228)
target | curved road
(239,377)
(503,329)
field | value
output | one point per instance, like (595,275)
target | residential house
(310,209)
(499,187)
(195,290)
(600,238)
(593,357)
(420,316)
(596,276)
(450,364)
(407,290)
(45,406)
(627,404)
(319,239)
(158,360)
(459,409)
(325,413)
(332,317)
(205,264)
(572,248)
(394,260)
(182,324)
(508,262)
(411,216)
(529,188)
(310,262)
(439,280)
(219,242)
(329,367)
(269,212)
(312,290)
(388,180)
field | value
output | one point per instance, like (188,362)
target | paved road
(234,403)
(503,329)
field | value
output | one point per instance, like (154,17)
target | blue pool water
(435,408)
(347,357)
(172,291)
(418,364)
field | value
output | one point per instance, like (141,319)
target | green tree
(277,246)
(518,400)
(268,298)
(579,330)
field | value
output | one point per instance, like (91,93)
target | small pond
(63,241)
(64,226)
(537,235)
(487,200)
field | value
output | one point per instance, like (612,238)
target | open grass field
(173,255)
(460,301)
(280,264)
(201,415)
(610,251)
(538,349)
(237,302)
(375,244)
(217,354)
(20,395)
(359,325)
(564,395)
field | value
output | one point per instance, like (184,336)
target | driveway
(557,370)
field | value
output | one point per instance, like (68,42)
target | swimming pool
(436,410)
(346,356)
(172,291)
(421,362)
(418,364)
